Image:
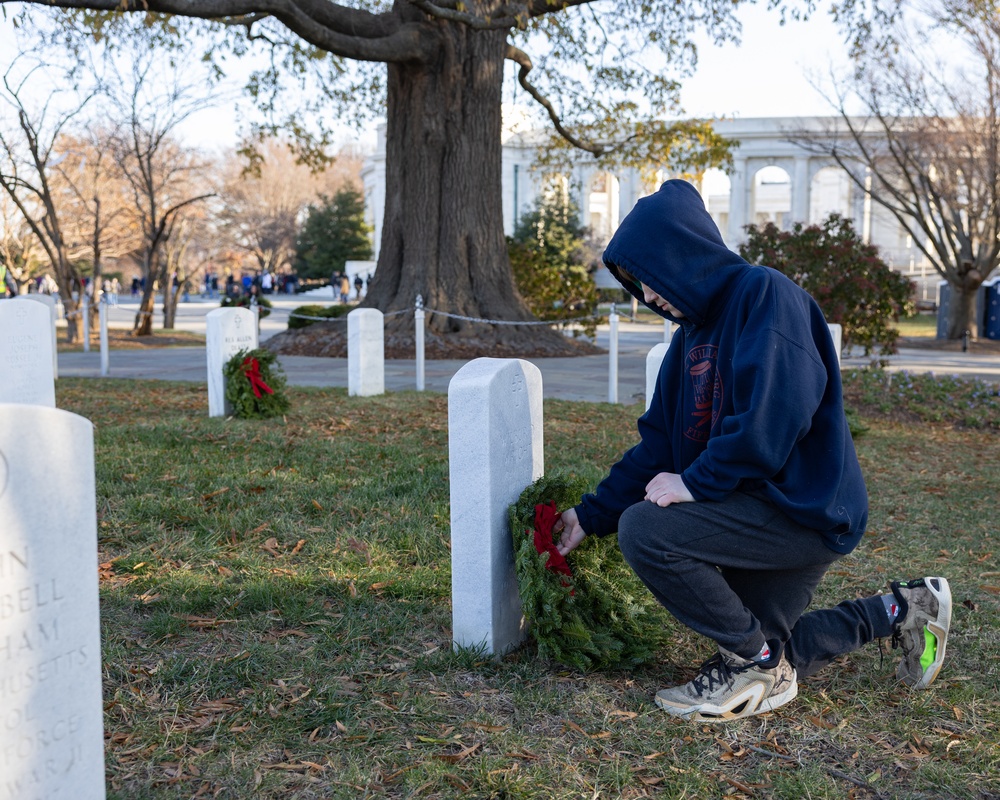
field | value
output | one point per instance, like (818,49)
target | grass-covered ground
(276,618)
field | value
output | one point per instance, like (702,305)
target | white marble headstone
(227,331)
(51,712)
(654,358)
(49,302)
(495,450)
(837,333)
(26,354)
(365,352)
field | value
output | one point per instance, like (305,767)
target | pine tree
(334,232)
(550,256)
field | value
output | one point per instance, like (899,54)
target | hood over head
(669,242)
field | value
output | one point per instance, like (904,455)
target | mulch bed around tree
(122,339)
(331,342)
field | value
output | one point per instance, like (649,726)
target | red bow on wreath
(546,517)
(251,368)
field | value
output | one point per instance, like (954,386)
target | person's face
(650,296)
(653,298)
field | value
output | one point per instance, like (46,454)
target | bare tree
(163,177)
(187,251)
(30,152)
(927,148)
(96,208)
(261,211)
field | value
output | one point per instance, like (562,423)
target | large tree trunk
(442,235)
(962,311)
(73,311)
(143,325)
(170,302)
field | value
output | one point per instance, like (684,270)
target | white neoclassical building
(773,179)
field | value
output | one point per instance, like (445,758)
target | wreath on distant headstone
(589,610)
(255,384)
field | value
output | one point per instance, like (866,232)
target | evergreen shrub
(299,318)
(243,301)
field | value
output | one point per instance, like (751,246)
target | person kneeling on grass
(745,486)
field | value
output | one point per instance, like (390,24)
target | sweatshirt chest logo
(706,387)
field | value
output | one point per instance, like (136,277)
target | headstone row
(229,330)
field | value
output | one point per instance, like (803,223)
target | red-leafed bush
(852,284)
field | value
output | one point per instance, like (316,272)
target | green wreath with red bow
(588,610)
(255,384)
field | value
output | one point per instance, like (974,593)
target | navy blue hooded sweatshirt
(748,396)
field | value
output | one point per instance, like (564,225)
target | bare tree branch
(523,60)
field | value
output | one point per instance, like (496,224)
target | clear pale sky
(766,75)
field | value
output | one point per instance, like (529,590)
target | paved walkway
(585,378)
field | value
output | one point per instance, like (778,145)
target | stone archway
(830,192)
(771,197)
(716,189)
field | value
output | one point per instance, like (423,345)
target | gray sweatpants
(741,572)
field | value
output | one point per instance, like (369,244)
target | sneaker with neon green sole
(921,630)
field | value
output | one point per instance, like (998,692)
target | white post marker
(654,358)
(49,302)
(365,352)
(51,720)
(495,450)
(85,310)
(613,355)
(418,321)
(26,374)
(837,332)
(227,331)
(102,313)
(668,330)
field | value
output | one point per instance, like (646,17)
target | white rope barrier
(455,316)
(514,322)
(317,319)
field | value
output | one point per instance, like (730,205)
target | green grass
(917,325)
(276,621)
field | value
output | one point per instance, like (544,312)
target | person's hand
(572,532)
(668,488)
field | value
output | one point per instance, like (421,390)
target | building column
(583,175)
(628,192)
(738,202)
(861,204)
(800,191)
(614,203)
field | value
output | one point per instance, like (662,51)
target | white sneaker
(729,687)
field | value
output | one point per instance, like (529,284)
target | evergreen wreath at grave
(588,611)
(255,384)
